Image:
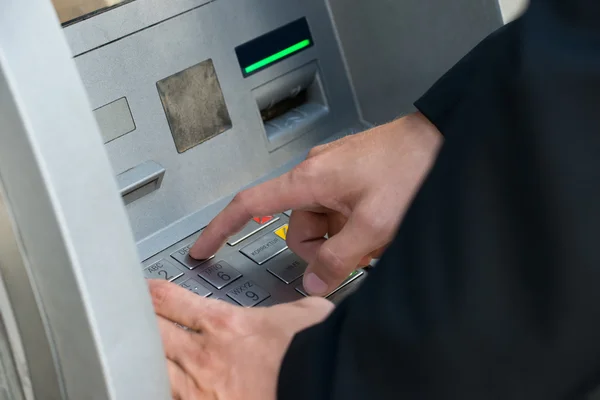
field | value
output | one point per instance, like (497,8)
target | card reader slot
(284,106)
(291,104)
(140,181)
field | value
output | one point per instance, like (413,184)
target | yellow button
(282,232)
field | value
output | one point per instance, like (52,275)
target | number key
(219,274)
(162,270)
(248,294)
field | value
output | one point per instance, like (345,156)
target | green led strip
(278,56)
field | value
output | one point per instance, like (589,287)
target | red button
(262,220)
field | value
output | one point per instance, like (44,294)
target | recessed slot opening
(140,181)
(284,106)
(291,104)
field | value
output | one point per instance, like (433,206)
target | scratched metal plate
(194,105)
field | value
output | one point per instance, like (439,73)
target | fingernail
(314,285)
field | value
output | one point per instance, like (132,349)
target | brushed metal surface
(68,10)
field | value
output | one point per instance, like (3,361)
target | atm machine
(125,126)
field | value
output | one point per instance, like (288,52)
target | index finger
(275,196)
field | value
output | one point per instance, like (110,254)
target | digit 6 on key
(223,276)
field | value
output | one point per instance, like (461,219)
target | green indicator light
(278,56)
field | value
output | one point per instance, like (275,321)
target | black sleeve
(491,289)
(499,48)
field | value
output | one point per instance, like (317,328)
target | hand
(355,190)
(228,352)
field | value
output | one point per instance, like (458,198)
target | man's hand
(229,352)
(354,190)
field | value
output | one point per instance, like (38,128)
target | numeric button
(351,278)
(183,256)
(228,300)
(288,268)
(219,274)
(162,269)
(248,294)
(193,286)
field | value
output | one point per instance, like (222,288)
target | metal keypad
(353,276)
(195,287)
(228,300)
(265,248)
(288,268)
(183,256)
(258,270)
(219,274)
(162,269)
(253,227)
(248,294)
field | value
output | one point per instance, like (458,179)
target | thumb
(338,257)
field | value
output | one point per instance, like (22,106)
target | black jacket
(491,289)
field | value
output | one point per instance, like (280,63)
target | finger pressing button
(183,256)
(289,268)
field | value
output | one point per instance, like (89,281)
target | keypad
(353,276)
(248,294)
(256,268)
(195,287)
(228,300)
(256,225)
(183,256)
(162,269)
(265,248)
(219,274)
(288,268)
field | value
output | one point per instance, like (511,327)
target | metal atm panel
(132,66)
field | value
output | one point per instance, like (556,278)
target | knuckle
(242,199)
(198,354)
(250,202)
(227,319)
(221,233)
(293,238)
(307,171)
(378,224)
(332,262)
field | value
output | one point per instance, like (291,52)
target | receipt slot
(127,125)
